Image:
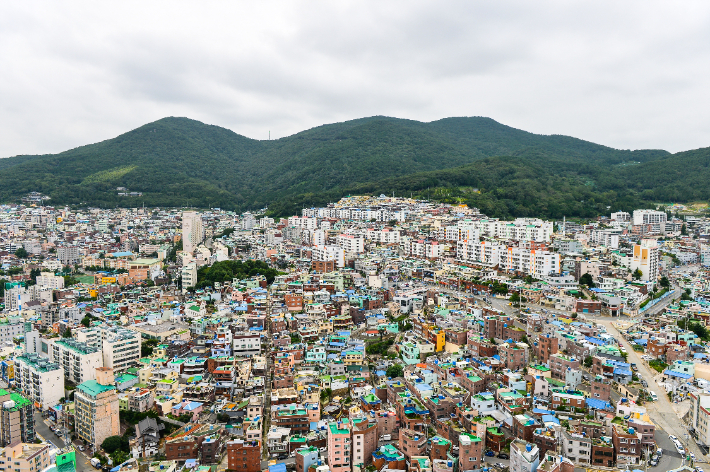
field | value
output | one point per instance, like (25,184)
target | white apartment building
(482,252)
(384,236)
(192,231)
(525,229)
(424,249)
(78,360)
(650,217)
(329,253)
(303,222)
(51,281)
(11,328)
(318,237)
(246,344)
(605,237)
(705,255)
(121,347)
(576,447)
(621,217)
(463,230)
(700,415)
(68,255)
(524,456)
(39,379)
(189,276)
(646,259)
(352,244)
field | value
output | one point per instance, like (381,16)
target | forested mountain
(502,170)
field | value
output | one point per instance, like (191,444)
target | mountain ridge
(177,161)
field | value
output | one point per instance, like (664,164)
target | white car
(673,438)
(692,456)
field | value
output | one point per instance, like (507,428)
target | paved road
(82,462)
(661,411)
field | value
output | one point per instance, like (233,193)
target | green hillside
(182,162)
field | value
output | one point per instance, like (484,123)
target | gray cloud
(624,74)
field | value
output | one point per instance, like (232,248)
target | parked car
(490,453)
(500,465)
(503,455)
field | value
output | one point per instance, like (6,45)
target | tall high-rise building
(96,408)
(646,259)
(192,231)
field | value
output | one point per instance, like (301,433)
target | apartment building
(24,457)
(246,344)
(328,253)
(700,415)
(97,408)
(560,363)
(11,328)
(17,423)
(121,348)
(576,447)
(424,249)
(351,243)
(646,259)
(339,446)
(192,231)
(39,379)
(524,456)
(470,452)
(244,456)
(68,255)
(78,360)
(51,281)
(547,346)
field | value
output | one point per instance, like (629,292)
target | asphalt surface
(82,461)
(661,411)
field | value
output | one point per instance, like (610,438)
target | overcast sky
(625,74)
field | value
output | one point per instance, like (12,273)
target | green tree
(67,333)
(21,253)
(395,370)
(86,321)
(637,274)
(115,443)
(684,230)
(588,361)
(664,282)
(587,280)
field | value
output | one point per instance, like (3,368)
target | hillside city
(372,334)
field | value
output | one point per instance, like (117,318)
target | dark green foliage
(21,253)
(147,347)
(696,327)
(182,162)
(223,418)
(379,347)
(86,321)
(587,280)
(115,443)
(395,371)
(664,282)
(225,271)
(588,361)
(67,333)
(134,417)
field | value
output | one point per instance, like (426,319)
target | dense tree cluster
(503,171)
(226,271)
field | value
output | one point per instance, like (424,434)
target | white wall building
(524,456)
(646,259)
(78,360)
(650,217)
(192,231)
(353,244)
(329,253)
(39,379)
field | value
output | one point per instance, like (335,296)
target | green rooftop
(93,388)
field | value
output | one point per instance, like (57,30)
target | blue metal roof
(680,375)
